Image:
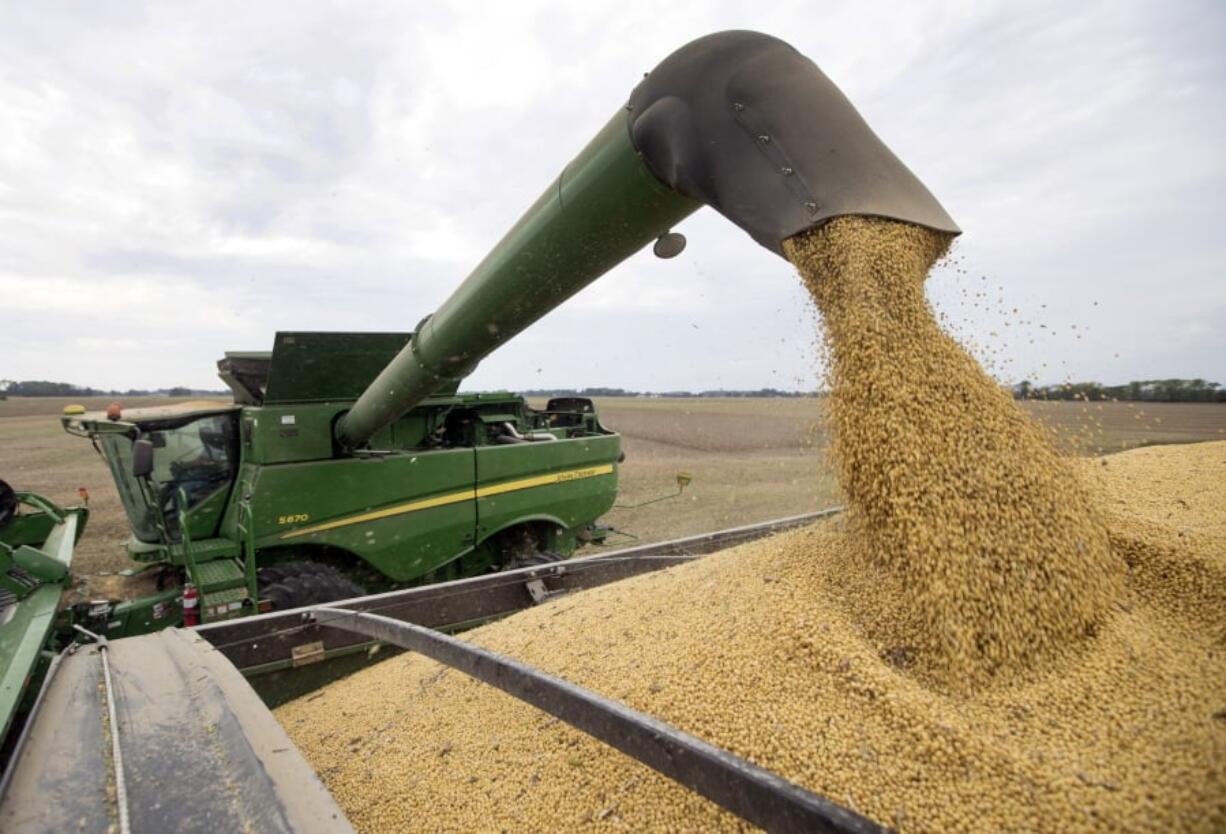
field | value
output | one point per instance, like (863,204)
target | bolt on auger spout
(739,121)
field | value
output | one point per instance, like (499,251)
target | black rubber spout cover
(743,122)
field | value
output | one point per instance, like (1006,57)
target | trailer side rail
(267,642)
(753,793)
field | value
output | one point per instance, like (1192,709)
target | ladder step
(219,575)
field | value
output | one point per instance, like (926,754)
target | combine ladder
(227,586)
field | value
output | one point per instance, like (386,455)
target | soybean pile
(989,639)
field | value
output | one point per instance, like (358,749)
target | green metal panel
(317,367)
(604,207)
(578,482)
(288,433)
(432,517)
(39,565)
(146,614)
(204,518)
(404,513)
(27,622)
(21,639)
(329,367)
(28,528)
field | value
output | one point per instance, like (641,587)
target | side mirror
(142,458)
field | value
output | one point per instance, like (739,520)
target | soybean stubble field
(751,459)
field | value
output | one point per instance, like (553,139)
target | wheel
(295,584)
(281,570)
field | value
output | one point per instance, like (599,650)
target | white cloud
(177,180)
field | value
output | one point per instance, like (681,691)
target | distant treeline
(43,388)
(1143,390)
(623,392)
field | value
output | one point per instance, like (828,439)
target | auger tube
(739,121)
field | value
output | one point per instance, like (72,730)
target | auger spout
(739,121)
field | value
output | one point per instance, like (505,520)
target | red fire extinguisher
(191,605)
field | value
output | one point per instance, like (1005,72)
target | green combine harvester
(350,460)
(264,505)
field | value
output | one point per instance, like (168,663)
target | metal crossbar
(751,792)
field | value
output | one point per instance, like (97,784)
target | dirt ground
(750,459)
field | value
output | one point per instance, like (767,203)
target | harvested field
(752,460)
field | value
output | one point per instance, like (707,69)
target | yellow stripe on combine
(545,480)
(456,497)
(411,507)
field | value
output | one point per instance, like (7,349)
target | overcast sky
(181,179)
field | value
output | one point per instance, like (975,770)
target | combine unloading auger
(739,121)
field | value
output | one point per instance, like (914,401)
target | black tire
(8,503)
(283,570)
(296,584)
